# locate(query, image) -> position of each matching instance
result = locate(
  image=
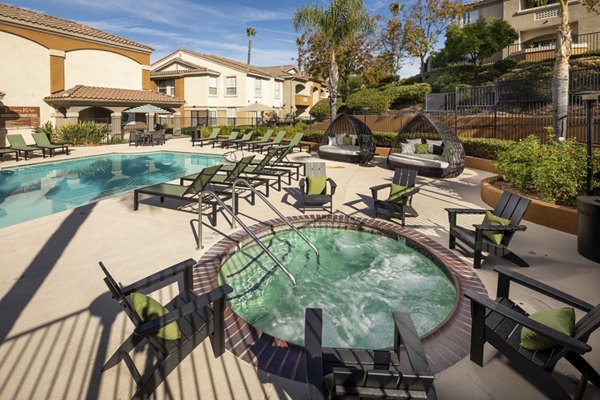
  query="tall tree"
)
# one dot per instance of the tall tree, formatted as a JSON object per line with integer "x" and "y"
{"x": 301, "y": 43}
{"x": 338, "y": 23}
{"x": 250, "y": 31}
{"x": 425, "y": 22}
{"x": 391, "y": 37}
{"x": 560, "y": 77}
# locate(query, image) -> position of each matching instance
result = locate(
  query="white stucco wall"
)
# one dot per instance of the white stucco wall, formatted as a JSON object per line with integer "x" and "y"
{"x": 196, "y": 91}
{"x": 101, "y": 68}
{"x": 25, "y": 75}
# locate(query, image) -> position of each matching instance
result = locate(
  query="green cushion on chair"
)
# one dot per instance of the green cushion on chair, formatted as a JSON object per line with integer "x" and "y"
{"x": 560, "y": 319}
{"x": 491, "y": 219}
{"x": 421, "y": 148}
{"x": 397, "y": 194}
{"x": 347, "y": 141}
{"x": 317, "y": 185}
{"x": 148, "y": 309}
{"x": 328, "y": 383}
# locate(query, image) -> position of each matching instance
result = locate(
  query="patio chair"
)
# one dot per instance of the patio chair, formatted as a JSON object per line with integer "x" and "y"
{"x": 493, "y": 236}
{"x": 172, "y": 332}
{"x": 181, "y": 192}
{"x": 157, "y": 137}
{"x": 292, "y": 144}
{"x": 8, "y": 151}
{"x": 18, "y": 143}
{"x": 278, "y": 138}
{"x": 135, "y": 138}
{"x": 222, "y": 142}
{"x": 500, "y": 323}
{"x": 214, "y": 135}
{"x": 399, "y": 201}
{"x": 41, "y": 141}
{"x": 262, "y": 168}
{"x": 281, "y": 162}
{"x": 245, "y": 138}
{"x": 314, "y": 188}
{"x": 373, "y": 374}
{"x": 263, "y": 139}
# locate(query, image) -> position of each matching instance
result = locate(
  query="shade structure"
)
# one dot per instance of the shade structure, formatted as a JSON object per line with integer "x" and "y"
{"x": 148, "y": 109}
{"x": 347, "y": 139}
{"x": 256, "y": 107}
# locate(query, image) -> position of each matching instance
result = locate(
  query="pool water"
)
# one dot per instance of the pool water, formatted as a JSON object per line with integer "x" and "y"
{"x": 360, "y": 279}
{"x": 43, "y": 189}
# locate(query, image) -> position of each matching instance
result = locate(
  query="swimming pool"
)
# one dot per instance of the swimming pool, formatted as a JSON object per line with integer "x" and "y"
{"x": 38, "y": 190}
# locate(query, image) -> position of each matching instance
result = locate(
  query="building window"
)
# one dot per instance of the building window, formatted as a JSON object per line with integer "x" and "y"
{"x": 230, "y": 85}
{"x": 231, "y": 114}
{"x": 257, "y": 88}
{"x": 212, "y": 86}
{"x": 527, "y": 4}
{"x": 167, "y": 87}
{"x": 196, "y": 119}
{"x": 470, "y": 17}
{"x": 277, "y": 90}
{"x": 212, "y": 117}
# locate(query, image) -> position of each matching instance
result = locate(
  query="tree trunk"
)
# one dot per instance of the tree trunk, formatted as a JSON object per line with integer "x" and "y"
{"x": 560, "y": 78}
{"x": 333, "y": 86}
{"x": 249, "y": 49}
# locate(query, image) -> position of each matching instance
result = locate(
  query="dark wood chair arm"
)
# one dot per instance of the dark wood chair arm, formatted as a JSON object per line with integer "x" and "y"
{"x": 500, "y": 228}
{"x": 376, "y": 189}
{"x": 313, "y": 339}
{"x": 160, "y": 276}
{"x": 557, "y": 337}
{"x": 302, "y": 184}
{"x": 405, "y": 333}
{"x": 333, "y": 185}
{"x": 505, "y": 276}
{"x": 465, "y": 211}
{"x": 198, "y": 303}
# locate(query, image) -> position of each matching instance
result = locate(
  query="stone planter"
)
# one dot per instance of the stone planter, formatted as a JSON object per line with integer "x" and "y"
{"x": 550, "y": 215}
{"x": 482, "y": 164}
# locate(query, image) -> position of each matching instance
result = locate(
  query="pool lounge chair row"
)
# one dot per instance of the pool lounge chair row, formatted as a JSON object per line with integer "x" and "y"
{"x": 264, "y": 143}
{"x": 19, "y": 147}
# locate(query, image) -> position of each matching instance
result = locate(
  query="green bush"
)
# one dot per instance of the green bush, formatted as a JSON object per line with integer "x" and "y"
{"x": 83, "y": 133}
{"x": 406, "y": 95}
{"x": 384, "y": 139}
{"x": 484, "y": 147}
{"x": 373, "y": 99}
{"x": 320, "y": 111}
{"x": 556, "y": 171}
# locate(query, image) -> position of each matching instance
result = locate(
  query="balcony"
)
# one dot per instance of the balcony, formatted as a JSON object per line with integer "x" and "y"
{"x": 302, "y": 100}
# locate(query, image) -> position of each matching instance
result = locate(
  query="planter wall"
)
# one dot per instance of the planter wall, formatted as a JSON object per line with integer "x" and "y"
{"x": 550, "y": 215}
{"x": 482, "y": 164}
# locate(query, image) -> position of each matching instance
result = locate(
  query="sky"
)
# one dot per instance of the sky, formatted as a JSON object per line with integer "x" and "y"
{"x": 213, "y": 27}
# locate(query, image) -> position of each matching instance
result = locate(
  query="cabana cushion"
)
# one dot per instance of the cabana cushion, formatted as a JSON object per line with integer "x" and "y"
{"x": 346, "y": 150}
{"x": 420, "y": 160}
{"x": 347, "y": 139}
{"x": 560, "y": 319}
{"x": 421, "y": 148}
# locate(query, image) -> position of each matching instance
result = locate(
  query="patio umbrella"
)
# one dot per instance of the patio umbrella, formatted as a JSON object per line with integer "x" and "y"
{"x": 148, "y": 109}
{"x": 256, "y": 107}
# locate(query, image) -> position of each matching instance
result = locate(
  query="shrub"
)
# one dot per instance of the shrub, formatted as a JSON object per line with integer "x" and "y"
{"x": 384, "y": 139}
{"x": 320, "y": 111}
{"x": 83, "y": 133}
{"x": 407, "y": 94}
{"x": 505, "y": 65}
{"x": 47, "y": 128}
{"x": 484, "y": 147}
{"x": 374, "y": 99}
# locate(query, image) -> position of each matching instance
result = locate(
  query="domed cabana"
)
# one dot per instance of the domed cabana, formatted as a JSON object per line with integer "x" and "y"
{"x": 347, "y": 139}
{"x": 429, "y": 146}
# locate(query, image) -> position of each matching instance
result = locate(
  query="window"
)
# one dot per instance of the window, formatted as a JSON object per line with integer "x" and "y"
{"x": 212, "y": 86}
{"x": 231, "y": 114}
{"x": 230, "y": 85}
{"x": 212, "y": 117}
{"x": 167, "y": 87}
{"x": 277, "y": 90}
{"x": 257, "y": 88}
{"x": 470, "y": 17}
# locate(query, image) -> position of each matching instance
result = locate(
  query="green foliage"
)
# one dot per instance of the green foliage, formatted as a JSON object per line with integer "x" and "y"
{"x": 117, "y": 140}
{"x": 83, "y": 133}
{"x": 407, "y": 94}
{"x": 320, "y": 111}
{"x": 505, "y": 65}
{"x": 556, "y": 171}
{"x": 374, "y": 99}
{"x": 487, "y": 148}
{"x": 384, "y": 139}
{"x": 47, "y": 128}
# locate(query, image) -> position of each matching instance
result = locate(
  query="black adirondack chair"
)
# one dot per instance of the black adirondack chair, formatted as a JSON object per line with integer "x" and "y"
{"x": 510, "y": 206}
{"x": 317, "y": 200}
{"x": 500, "y": 322}
{"x": 373, "y": 374}
{"x": 402, "y": 176}
{"x": 197, "y": 318}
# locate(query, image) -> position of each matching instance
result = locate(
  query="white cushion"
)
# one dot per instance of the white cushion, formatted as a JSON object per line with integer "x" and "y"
{"x": 414, "y": 141}
{"x": 339, "y": 138}
{"x": 347, "y": 150}
{"x": 354, "y": 140}
{"x": 431, "y": 143}
{"x": 420, "y": 160}
{"x": 331, "y": 141}
{"x": 407, "y": 148}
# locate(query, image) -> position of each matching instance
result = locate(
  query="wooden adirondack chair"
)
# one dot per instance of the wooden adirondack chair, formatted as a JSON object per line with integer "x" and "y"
{"x": 499, "y": 323}
{"x": 373, "y": 374}
{"x": 322, "y": 199}
{"x": 397, "y": 208}
{"x": 511, "y": 207}
{"x": 198, "y": 318}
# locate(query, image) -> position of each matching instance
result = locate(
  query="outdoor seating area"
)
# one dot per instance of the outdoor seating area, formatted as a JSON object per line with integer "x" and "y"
{"x": 347, "y": 139}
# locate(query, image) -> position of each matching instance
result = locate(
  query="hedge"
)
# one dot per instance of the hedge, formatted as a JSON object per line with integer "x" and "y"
{"x": 487, "y": 148}
{"x": 374, "y": 99}
{"x": 405, "y": 95}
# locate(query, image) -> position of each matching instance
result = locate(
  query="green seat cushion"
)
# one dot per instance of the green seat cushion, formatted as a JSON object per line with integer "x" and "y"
{"x": 317, "y": 185}
{"x": 328, "y": 384}
{"x": 491, "y": 219}
{"x": 165, "y": 189}
{"x": 148, "y": 309}
{"x": 420, "y": 148}
{"x": 560, "y": 319}
{"x": 347, "y": 141}
{"x": 397, "y": 194}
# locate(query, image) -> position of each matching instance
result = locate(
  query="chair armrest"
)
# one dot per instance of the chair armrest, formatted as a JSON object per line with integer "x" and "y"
{"x": 500, "y": 228}
{"x": 159, "y": 276}
{"x": 302, "y": 184}
{"x": 376, "y": 189}
{"x": 505, "y": 276}
{"x": 333, "y": 185}
{"x": 557, "y": 337}
{"x": 198, "y": 303}
{"x": 405, "y": 333}
{"x": 313, "y": 339}
{"x": 465, "y": 211}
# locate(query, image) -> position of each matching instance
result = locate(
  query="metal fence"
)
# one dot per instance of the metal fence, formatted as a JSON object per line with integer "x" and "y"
{"x": 581, "y": 44}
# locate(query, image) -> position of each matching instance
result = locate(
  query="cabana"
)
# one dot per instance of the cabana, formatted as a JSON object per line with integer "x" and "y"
{"x": 429, "y": 146}
{"x": 347, "y": 139}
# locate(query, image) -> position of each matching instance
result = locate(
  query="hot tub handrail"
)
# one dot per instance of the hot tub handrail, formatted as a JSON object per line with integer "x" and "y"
{"x": 209, "y": 192}
{"x": 272, "y": 207}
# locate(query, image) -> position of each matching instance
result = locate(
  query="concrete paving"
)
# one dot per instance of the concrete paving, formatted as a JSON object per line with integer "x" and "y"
{"x": 58, "y": 325}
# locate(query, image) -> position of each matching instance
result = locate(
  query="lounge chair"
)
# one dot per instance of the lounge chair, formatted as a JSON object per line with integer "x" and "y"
{"x": 281, "y": 162}
{"x": 41, "y": 141}
{"x": 222, "y": 142}
{"x": 495, "y": 238}
{"x": 187, "y": 193}
{"x": 8, "y": 151}
{"x": 262, "y": 168}
{"x": 314, "y": 188}
{"x": 292, "y": 144}
{"x": 265, "y": 138}
{"x": 372, "y": 374}
{"x": 214, "y": 135}
{"x": 399, "y": 201}
{"x": 278, "y": 138}
{"x": 501, "y": 322}
{"x": 187, "y": 321}
{"x": 245, "y": 138}
{"x": 17, "y": 143}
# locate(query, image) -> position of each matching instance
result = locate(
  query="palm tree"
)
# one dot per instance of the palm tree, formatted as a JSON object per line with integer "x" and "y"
{"x": 337, "y": 23}
{"x": 250, "y": 32}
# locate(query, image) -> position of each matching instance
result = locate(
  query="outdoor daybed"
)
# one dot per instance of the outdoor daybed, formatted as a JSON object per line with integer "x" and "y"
{"x": 429, "y": 146}
{"x": 347, "y": 139}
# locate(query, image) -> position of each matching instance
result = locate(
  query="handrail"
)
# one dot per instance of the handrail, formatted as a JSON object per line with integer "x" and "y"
{"x": 244, "y": 227}
{"x": 272, "y": 207}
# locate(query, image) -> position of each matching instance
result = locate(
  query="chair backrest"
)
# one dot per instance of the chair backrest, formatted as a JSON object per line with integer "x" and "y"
{"x": 282, "y": 155}
{"x": 117, "y": 294}
{"x": 41, "y": 139}
{"x": 348, "y": 383}
{"x": 204, "y": 177}
{"x": 239, "y": 168}
{"x": 247, "y": 135}
{"x": 315, "y": 169}
{"x": 214, "y": 133}
{"x": 279, "y": 137}
{"x": 512, "y": 207}
{"x": 296, "y": 139}
{"x": 267, "y": 135}
{"x": 16, "y": 140}
{"x": 263, "y": 163}
{"x": 233, "y": 135}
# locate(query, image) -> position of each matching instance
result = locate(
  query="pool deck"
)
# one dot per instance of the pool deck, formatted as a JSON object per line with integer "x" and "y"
{"x": 58, "y": 324}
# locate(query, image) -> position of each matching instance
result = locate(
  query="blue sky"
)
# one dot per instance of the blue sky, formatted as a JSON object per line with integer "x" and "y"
{"x": 214, "y": 27}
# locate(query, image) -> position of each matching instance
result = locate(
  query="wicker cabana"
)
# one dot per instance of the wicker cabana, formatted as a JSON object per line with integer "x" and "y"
{"x": 429, "y": 146}
{"x": 347, "y": 139}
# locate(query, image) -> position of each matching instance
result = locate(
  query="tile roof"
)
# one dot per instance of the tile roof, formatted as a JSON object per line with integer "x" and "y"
{"x": 94, "y": 93}
{"x": 229, "y": 63}
{"x": 39, "y": 20}
{"x": 193, "y": 70}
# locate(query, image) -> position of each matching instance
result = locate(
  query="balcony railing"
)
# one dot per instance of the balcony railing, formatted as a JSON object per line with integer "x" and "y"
{"x": 586, "y": 43}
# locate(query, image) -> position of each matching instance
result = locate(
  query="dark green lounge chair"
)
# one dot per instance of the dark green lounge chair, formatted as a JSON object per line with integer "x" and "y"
{"x": 281, "y": 162}
{"x": 214, "y": 135}
{"x": 17, "y": 143}
{"x": 8, "y": 151}
{"x": 276, "y": 141}
{"x": 293, "y": 143}
{"x": 262, "y": 168}
{"x": 41, "y": 141}
{"x": 245, "y": 138}
{"x": 264, "y": 139}
{"x": 232, "y": 136}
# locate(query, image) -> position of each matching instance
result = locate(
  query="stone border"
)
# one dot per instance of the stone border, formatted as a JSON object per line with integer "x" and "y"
{"x": 550, "y": 215}
{"x": 444, "y": 346}
{"x": 482, "y": 164}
